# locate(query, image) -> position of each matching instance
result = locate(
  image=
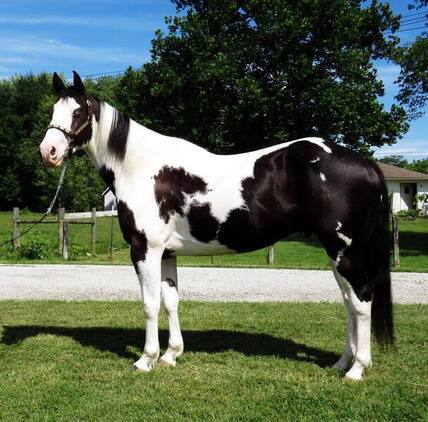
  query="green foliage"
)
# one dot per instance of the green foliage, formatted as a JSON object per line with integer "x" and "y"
{"x": 395, "y": 160}
{"x": 419, "y": 165}
{"x": 26, "y": 182}
{"x": 235, "y": 76}
{"x": 413, "y": 59}
{"x": 413, "y": 80}
{"x": 35, "y": 247}
{"x": 423, "y": 197}
{"x": 411, "y": 213}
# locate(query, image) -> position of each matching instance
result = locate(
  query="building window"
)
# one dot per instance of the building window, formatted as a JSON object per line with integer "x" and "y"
{"x": 406, "y": 189}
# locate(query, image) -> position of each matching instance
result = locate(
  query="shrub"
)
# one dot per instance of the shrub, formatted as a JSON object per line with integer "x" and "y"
{"x": 35, "y": 248}
{"x": 76, "y": 250}
{"x": 408, "y": 213}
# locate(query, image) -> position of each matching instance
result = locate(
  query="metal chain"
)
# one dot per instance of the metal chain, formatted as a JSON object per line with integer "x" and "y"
{"x": 48, "y": 211}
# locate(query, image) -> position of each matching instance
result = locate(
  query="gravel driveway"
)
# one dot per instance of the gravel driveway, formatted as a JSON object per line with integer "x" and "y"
{"x": 103, "y": 282}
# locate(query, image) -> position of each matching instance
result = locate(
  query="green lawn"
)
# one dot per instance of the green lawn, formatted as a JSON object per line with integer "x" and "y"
{"x": 71, "y": 361}
{"x": 296, "y": 252}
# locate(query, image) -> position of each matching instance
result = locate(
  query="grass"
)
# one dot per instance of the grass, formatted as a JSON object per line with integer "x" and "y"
{"x": 271, "y": 361}
{"x": 296, "y": 252}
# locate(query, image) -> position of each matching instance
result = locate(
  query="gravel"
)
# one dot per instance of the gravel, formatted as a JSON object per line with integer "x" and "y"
{"x": 103, "y": 282}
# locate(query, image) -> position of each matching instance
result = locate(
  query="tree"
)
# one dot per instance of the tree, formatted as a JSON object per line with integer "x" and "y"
{"x": 413, "y": 80}
{"x": 25, "y": 181}
{"x": 395, "y": 160}
{"x": 419, "y": 165}
{"x": 238, "y": 75}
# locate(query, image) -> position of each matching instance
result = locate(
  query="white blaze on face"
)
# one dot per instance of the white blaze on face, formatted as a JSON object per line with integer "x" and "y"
{"x": 55, "y": 143}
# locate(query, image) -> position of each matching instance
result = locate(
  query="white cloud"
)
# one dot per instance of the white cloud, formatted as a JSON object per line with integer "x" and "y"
{"x": 131, "y": 23}
{"x": 388, "y": 74}
{"x": 411, "y": 148}
{"x": 43, "y": 48}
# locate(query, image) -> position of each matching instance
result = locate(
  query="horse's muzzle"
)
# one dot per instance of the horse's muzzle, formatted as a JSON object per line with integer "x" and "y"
{"x": 53, "y": 153}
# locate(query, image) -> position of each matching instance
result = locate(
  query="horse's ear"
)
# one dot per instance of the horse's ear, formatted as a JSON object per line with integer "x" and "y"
{"x": 77, "y": 82}
{"x": 57, "y": 83}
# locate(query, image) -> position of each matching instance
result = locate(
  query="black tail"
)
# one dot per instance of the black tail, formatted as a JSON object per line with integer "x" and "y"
{"x": 379, "y": 257}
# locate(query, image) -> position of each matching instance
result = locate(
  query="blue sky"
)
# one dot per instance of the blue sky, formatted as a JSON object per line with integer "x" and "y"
{"x": 97, "y": 36}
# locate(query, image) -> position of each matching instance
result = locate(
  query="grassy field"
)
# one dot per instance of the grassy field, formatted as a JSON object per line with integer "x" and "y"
{"x": 71, "y": 361}
{"x": 296, "y": 252}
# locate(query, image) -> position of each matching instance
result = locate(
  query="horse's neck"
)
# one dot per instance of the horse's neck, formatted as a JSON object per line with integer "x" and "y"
{"x": 98, "y": 149}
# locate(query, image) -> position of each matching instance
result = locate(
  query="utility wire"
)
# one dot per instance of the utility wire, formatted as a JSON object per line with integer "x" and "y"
{"x": 406, "y": 20}
{"x": 414, "y": 14}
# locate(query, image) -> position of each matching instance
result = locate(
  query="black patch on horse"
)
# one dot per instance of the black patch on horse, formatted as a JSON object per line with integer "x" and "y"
{"x": 134, "y": 237}
{"x": 108, "y": 176}
{"x": 203, "y": 225}
{"x": 171, "y": 184}
{"x": 118, "y": 135}
{"x": 268, "y": 207}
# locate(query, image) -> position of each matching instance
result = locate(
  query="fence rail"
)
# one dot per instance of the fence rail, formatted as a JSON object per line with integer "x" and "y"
{"x": 63, "y": 220}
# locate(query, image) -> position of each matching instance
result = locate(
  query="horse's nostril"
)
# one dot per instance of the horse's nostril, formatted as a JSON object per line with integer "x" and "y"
{"x": 53, "y": 151}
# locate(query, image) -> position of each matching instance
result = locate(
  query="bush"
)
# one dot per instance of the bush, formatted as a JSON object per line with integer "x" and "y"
{"x": 35, "y": 248}
{"x": 76, "y": 250}
{"x": 408, "y": 213}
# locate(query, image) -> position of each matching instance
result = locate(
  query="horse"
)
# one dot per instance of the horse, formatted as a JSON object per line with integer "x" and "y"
{"x": 176, "y": 198}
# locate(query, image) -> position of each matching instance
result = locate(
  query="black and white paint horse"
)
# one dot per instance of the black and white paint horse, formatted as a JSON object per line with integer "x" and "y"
{"x": 175, "y": 198}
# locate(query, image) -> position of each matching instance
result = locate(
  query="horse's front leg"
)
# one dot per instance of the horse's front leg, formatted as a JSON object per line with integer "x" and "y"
{"x": 149, "y": 274}
{"x": 170, "y": 299}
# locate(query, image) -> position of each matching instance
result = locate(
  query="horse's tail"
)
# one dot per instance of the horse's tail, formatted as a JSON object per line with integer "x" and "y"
{"x": 379, "y": 257}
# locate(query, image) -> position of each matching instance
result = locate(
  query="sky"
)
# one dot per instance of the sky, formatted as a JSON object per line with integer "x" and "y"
{"x": 106, "y": 36}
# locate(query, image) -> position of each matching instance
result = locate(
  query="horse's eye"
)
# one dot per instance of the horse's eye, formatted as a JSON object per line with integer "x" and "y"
{"x": 77, "y": 112}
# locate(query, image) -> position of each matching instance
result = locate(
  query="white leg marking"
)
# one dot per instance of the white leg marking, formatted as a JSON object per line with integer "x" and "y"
{"x": 170, "y": 299}
{"x": 149, "y": 275}
{"x": 347, "y": 358}
{"x": 339, "y": 226}
{"x": 323, "y": 178}
{"x": 346, "y": 239}
{"x": 315, "y": 160}
{"x": 361, "y": 313}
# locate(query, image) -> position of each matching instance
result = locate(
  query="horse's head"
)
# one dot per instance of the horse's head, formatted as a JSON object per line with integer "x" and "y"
{"x": 70, "y": 128}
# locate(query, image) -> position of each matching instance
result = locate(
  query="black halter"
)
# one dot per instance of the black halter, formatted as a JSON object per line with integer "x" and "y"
{"x": 72, "y": 135}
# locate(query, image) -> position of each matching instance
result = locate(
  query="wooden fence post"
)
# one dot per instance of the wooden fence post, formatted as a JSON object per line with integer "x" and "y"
{"x": 61, "y": 217}
{"x": 395, "y": 236}
{"x": 65, "y": 244}
{"x": 16, "y": 240}
{"x": 94, "y": 231}
{"x": 271, "y": 255}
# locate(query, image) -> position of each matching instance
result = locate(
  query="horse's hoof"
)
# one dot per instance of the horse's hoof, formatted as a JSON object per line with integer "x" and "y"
{"x": 167, "y": 362}
{"x": 138, "y": 368}
{"x": 354, "y": 375}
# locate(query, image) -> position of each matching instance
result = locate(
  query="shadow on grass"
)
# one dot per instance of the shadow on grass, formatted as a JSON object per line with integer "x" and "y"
{"x": 413, "y": 243}
{"x": 119, "y": 340}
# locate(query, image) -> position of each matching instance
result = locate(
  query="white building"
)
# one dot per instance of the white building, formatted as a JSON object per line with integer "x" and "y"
{"x": 109, "y": 200}
{"x": 404, "y": 185}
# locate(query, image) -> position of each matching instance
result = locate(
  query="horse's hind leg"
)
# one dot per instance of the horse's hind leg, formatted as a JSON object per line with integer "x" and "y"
{"x": 347, "y": 358}
{"x": 170, "y": 299}
{"x": 351, "y": 278}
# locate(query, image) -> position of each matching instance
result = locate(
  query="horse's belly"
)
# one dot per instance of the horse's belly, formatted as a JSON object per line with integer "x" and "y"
{"x": 179, "y": 245}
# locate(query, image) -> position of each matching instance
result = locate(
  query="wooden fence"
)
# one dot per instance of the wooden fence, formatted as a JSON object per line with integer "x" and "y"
{"x": 63, "y": 220}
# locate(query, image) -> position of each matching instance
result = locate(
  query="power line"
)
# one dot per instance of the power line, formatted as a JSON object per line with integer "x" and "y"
{"x": 405, "y": 30}
{"x": 414, "y": 14}
{"x": 406, "y": 20}
{"x": 113, "y": 72}
{"x": 414, "y": 22}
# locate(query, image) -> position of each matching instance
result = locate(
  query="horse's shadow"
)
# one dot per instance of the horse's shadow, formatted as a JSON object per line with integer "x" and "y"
{"x": 121, "y": 341}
